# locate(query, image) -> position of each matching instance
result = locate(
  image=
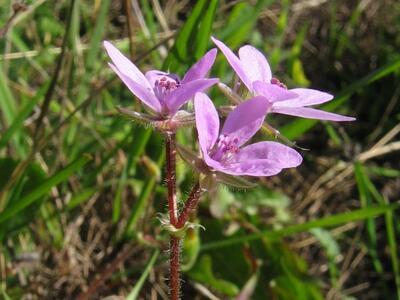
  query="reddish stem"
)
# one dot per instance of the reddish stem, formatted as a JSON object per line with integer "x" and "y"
{"x": 170, "y": 148}
{"x": 190, "y": 205}
{"x": 174, "y": 280}
{"x": 177, "y": 222}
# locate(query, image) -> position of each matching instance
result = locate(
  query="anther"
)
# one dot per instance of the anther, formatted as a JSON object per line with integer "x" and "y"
{"x": 278, "y": 83}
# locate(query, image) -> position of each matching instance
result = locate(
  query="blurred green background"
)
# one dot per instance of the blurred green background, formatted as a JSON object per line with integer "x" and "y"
{"x": 81, "y": 188}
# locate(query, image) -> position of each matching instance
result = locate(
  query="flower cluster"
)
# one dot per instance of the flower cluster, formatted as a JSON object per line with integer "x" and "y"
{"x": 223, "y": 151}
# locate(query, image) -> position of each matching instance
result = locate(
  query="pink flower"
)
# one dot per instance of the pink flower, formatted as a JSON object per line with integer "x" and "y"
{"x": 162, "y": 92}
{"x": 223, "y": 150}
{"x": 254, "y": 71}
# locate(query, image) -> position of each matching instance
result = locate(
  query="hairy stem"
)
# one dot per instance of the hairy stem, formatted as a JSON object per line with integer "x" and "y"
{"x": 170, "y": 148}
{"x": 174, "y": 281}
{"x": 175, "y": 249}
{"x": 190, "y": 205}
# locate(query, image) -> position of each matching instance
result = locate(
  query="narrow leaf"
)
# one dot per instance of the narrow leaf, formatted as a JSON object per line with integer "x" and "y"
{"x": 43, "y": 188}
{"x": 327, "y": 222}
{"x": 134, "y": 294}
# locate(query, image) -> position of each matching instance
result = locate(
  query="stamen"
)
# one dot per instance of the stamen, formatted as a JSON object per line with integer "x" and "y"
{"x": 278, "y": 83}
{"x": 164, "y": 86}
{"x": 225, "y": 148}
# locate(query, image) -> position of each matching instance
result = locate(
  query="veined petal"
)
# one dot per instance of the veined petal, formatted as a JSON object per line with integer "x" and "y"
{"x": 311, "y": 113}
{"x": 283, "y": 156}
{"x": 255, "y": 167}
{"x": 273, "y": 92}
{"x": 245, "y": 120}
{"x": 235, "y": 62}
{"x": 200, "y": 69}
{"x": 255, "y": 64}
{"x": 175, "y": 99}
{"x": 125, "y": 66}
{"x": 139, "y": 91}
{"x": 207, "y": 122}
{"x": 263, "y": 159}
{"x": 306, "y": 97}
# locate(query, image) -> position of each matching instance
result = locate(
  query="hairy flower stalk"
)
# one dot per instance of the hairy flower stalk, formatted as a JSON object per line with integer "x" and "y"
{"x": 190, "y": 205}
{"x": 174, "y": 278}
{"x": 177, "y": 222}
{"x": 170, "y": 148}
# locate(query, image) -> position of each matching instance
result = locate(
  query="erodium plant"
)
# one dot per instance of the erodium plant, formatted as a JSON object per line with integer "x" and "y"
{"x": 223, "y": 155}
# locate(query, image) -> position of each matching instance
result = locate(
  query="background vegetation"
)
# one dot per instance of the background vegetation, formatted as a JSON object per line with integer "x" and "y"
{"x": 81, "y": 188}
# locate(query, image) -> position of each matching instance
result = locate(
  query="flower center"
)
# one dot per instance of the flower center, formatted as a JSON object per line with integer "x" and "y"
{"x": 225, "y": 148}
{"x": 164, "y": 86}
{"x": 278, "y": 83}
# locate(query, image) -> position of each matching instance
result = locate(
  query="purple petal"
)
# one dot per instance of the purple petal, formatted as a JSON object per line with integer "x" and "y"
{"x": 245, "y": 120}
{"x": 256, "y": 167}
{"x": 200, "y": 69}
{"x": 185, "y": 92}
{"x": 125, "y": 66}
{"x": 234, "y": 62}
{"x": 139, "y": 91}
{"x": 221, "y": 167}
{"x": 255, "y": 64}
{"x": 207, "y": 122}
{"x": 311, "y": 113}
{"x": 273, "y": 92}
{"x": 263, "y": 159}
{"x": 283, "y": 156}
{"x": 306, "y": 97}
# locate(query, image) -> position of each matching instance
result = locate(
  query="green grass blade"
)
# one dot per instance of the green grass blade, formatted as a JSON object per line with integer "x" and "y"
{"x": 392, "y": 241}
{"x": 365, "y": 199}
{"x": 7, "y": 101}
{"x": 97, "y": 34}
{"x": 43, "y": 188}
{"x": 4, "y": 294}
{"x": 204, "y": 31}
{"x": 94, "y": 48}
{"x": 330, "y": 221}
{"x": 140, "y": 203}
{"x": 8, "y": 109}
{"x": 383, "y": 171}
{"x": 276, "y": 54}
{"x": 369, "y": 187}
{"x": 184, "y": 48}
{"x": 183, "y": 39}
{"x": 137, "y": 147}
{"x": 53, "y": 224}
{"x": 81, "y": 197}
{"x": 242, "y": 23}
{"x": 18, "y": 121}
{"x": 134, "y": 293}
